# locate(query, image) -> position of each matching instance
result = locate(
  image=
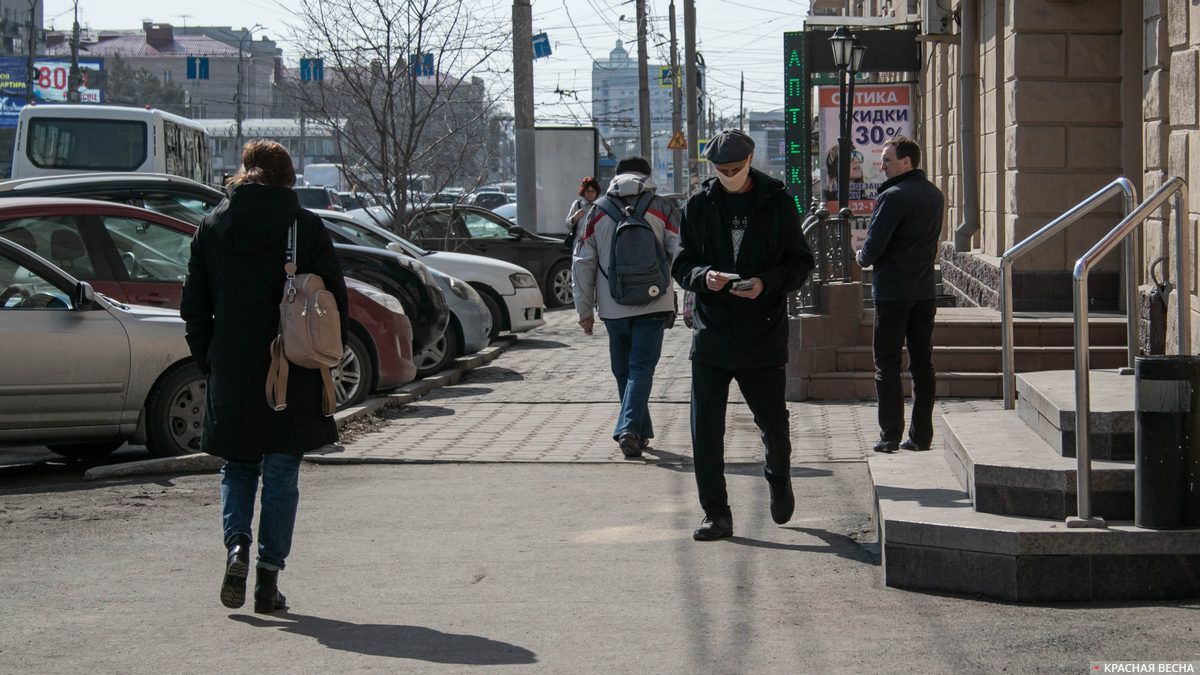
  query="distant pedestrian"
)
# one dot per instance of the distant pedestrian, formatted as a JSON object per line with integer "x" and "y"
{"x": 230, "y": 304}
{"x": 589, "y": 192}
{"x": 901, "y": 245}
{"x": 742, "y": 253}
{"x": 635, "y": 332}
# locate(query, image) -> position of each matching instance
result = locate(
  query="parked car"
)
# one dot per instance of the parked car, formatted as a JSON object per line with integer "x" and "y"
{"x": 321, "y": 197}
{"x": 470, "y": 229}
{"x": 507, "y": 211}
{"x": 468, "y": 332}
{"x": 486, "y": 199}
{"x": 138, "y": 256}
{"x": 406, "y": 279}
{"x": 510, "y": 291}
{"x": 82, "y": 374}
{"x": 357, "y": 200}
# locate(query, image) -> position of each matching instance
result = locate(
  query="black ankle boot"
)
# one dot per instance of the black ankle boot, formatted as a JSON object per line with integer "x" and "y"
{"x": 237, "y": 566}
{"x": 267, "y": 597}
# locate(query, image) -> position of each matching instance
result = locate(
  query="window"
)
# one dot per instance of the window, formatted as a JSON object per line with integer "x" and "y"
{"x": 431, "y": 225}
{"x": 86, "y": 144}
{"x": 188, "y": 209}
{"x": 149, "y": 251}
{"x": 354, "y": 233}
{"x": 23, "y": 288}
{"x": 480, "y": 227}
{"x": 55, "y": 238}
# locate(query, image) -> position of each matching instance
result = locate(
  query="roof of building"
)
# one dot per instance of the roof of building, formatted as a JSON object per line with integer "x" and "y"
{"x": 266, "y": 127}
{"x": 136, "y": 45}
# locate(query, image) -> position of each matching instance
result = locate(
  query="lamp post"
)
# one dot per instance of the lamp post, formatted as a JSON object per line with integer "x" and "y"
{"x": 238, "y": 115}
{"x": 848, "y": 53}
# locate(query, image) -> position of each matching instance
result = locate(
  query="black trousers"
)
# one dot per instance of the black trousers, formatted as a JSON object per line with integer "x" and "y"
{"x": 897, "y": 323}
{"x": 764, "y": 392}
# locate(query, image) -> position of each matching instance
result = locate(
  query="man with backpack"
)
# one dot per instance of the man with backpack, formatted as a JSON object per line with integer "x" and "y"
{"x": 742, "y": 253}
{"x": 622, "y": 271}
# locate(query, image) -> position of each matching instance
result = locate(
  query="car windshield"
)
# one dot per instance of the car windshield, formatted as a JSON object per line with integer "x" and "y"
{"x": 481, "y": 227}
{"x": 313, "y": 198}
{"x": 355, "y": 233}
{"x": 188, "y": 209}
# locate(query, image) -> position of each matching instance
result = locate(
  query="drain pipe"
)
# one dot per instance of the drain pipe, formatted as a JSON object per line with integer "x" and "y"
{"x": 968, "y": 84}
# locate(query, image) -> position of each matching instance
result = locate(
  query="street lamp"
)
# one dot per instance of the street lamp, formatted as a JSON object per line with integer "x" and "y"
{"x": 238, "y": 115}
{"x": 848, "y": 53}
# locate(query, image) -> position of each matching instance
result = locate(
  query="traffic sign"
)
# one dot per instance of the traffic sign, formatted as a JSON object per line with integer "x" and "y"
{"x": 677, "y": 142}
{"x": 197, "y": 68}
{"x": 541, "y": 45}
{"x": 312, "y": 70}
{"x": 665, "y": 81}
{"x": 701, "y": 144}
{"x": 421, "y": 65}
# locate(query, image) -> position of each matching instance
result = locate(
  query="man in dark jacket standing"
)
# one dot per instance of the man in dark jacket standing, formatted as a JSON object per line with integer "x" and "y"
{"x": 742, "y": 253}
{"x": 902, "y": 246}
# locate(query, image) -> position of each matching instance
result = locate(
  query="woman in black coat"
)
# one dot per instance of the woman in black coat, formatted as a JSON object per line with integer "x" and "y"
{"x": 231, "y": 308}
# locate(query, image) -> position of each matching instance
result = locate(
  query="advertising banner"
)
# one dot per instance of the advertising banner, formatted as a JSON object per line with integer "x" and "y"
{"x": 50, "y": 79}
{"x": 880, "y": 112}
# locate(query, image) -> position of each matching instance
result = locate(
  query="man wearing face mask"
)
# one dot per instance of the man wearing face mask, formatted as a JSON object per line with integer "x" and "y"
{"x": 742, "y": 252}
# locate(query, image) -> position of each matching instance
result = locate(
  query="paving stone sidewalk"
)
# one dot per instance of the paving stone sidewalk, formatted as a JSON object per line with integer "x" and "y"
{"x": 552, "y": 398}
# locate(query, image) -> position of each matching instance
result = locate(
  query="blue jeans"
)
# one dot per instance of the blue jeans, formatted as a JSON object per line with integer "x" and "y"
{"x": 280, "y": 472}
{"x": 634, "y": 345}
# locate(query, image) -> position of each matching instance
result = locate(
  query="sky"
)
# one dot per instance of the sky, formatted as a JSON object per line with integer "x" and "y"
{"x": 734, "y": 37}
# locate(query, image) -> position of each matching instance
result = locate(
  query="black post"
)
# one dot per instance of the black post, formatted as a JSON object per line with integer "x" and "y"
{"x": 850, "y": 74}
{"x": 843, "y": 142}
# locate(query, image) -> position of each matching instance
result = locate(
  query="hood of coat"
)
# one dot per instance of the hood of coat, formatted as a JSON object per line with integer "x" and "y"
{"x": 629, "y": 184}
{"x": 255, "y": 217}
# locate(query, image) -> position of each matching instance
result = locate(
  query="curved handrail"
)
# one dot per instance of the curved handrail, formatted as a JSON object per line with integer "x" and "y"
{"x": 1175, "y": 188}
{"x": 1122, "y": 186}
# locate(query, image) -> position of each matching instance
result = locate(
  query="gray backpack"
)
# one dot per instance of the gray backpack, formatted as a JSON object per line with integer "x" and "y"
{"x": 639, "y": 270}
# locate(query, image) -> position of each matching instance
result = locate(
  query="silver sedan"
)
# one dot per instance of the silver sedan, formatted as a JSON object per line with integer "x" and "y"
{"x": 82, "y": 374}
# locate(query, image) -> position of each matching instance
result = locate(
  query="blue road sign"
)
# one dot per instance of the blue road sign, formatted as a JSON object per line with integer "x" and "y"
{"x": 197, "y": 68}
{"x": 312, "y": 70}
{"x": 421, "y": 65}
{"x": 541, "y": 45}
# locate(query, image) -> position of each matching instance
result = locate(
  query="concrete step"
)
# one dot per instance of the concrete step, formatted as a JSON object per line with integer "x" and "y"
{"x": 849, "y": 385}
{"x": 933, "y": 540}
{"x": 973, "y": 326}
{"x": 982, "y": 358}
{"x": 1046, "y": 402}
{"x": 1009, "y": 469}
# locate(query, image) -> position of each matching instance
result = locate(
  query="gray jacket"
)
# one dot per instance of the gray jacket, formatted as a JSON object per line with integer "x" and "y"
{"x": 592, "y": 251}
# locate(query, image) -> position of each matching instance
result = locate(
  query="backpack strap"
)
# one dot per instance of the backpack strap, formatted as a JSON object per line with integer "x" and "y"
{"x": 609, "y": 207}
{"x": 642, "y": 205}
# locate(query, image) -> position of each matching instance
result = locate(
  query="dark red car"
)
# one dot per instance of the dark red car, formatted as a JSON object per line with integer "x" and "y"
{"x": 140, "y": 257}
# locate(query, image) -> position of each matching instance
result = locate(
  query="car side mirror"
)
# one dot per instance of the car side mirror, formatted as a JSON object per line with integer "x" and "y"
{"x": 85, "y": 296}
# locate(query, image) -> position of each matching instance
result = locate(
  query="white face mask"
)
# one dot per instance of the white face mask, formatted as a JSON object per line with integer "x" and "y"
{"x": 738, "y": 180}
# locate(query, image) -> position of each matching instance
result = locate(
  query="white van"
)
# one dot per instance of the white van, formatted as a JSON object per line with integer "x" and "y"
{"x": 62, "y": 139}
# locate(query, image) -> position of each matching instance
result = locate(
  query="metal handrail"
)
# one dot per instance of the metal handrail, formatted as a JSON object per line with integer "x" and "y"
{"x": 1122, "y": 186}
{"x": 1177, "y": 188}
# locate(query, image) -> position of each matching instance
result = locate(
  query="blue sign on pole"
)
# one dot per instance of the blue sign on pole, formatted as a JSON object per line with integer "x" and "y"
{"x": 421, "y": 65}
{"x": 541, "y": 45}
{"x": 197, "y": 68}
{"x": 312, "y": 70}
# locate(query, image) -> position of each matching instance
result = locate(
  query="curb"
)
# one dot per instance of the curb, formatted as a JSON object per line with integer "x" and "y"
{"x": 201, "y": 462}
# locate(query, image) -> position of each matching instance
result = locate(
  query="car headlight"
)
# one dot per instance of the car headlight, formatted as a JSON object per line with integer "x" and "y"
{"x": 523, "y": 280}
{"x": 388, "y": 301}
{"x": 462, "y": 289}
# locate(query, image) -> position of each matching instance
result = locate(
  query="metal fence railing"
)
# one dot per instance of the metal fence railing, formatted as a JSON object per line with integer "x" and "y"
{"x": 830, "y": 240}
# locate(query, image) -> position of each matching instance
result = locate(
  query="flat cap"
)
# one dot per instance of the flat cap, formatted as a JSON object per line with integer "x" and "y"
{"x": 731, "y": 145}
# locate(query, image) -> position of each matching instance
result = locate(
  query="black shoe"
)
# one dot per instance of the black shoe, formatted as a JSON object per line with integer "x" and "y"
{"x": 910, "y": 444}
{"x": 237, "y": 566}
{"x": 645, "y": 443}
{"x": 783, "y": 500}
{"x": 631, "y": 445}
{"x": 886, "y": 446}
{"x": 713, "y": 528}
{"x": 267, "y": 597}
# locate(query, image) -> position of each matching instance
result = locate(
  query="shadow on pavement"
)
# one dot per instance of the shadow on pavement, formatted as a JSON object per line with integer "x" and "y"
{"x": 415, "y": 410}
{"x": 457, "y": 392}
{"x": 492, "y": 374}
{"x": 397, "y": 641}
{"x": 925, "y": 497}
{"x": 528, "y": 343}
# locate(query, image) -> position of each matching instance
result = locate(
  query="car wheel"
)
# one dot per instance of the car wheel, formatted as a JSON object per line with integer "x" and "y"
{"x": 354, "y": 377}
{"x": 97, "y": 450}
{"x": 493, "y": 307}
{"x": 558, "y": 285}
{"x": 175, "y": 412}
{"x": 443, "y": 352}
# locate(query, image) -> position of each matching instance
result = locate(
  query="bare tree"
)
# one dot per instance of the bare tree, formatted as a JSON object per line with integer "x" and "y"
{"x": 404, "y": 94}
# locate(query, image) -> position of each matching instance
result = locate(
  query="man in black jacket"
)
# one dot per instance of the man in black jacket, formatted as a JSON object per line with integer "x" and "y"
{"x": 742, "y": 253}
{"x": 902, "y": 246}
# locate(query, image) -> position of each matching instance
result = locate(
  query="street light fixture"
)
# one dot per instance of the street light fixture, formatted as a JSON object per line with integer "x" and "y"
{"x": 238, "y": 115}
{"x": 848, "y": 53}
